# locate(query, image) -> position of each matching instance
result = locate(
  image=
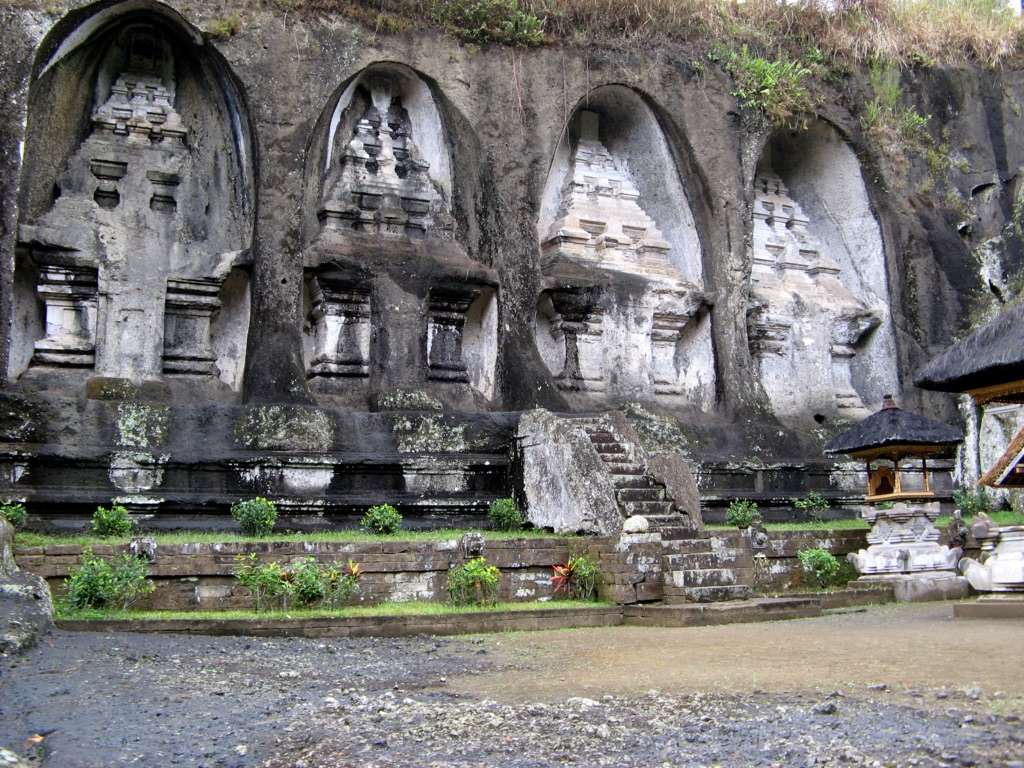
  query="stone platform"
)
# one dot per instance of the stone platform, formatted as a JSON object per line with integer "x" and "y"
{"x": 919, "y": 587}
{"x": 992, "y": 607}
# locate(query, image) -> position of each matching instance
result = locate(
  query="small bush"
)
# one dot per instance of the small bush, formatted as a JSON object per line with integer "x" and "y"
{"x": 14, "y": 513}
{"x": 265, "y": 582}
{"x": 98, "y": 583}
{"x": 505, "y": 515}
{"x": 741, "y": 513}
{"x": 473, "y": 583}
{"x": 256, "y": 516}
{"x": 814, "y": 505}
{"x": 313, "y": 583}
{"x": 820, "y": 565}
{"x": 576, "y": 578}
{"x": 483, "y": 21}
{"x": 111, "y": 522}
{"x": 971, "y": 503}
{"x": 382, "y": 519}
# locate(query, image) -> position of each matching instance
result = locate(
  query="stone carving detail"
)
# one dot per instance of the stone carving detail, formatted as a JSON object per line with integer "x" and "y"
{"x": 578, "y": 322}
{"x": 641, "y": 336}
{"x": 69, "y": 294}
{"x": 136, "y": 222}
{"x": 188, "y": 310}
{"x": 383, "y": 185}
{"x": 799, "y": 309}
{"x": 602, "y": 222}
{"x": 1001, "y": 565}
{"x": 446, "y": 323}
{"x": 904, "y": 540}
{"x": 340, "y": 318}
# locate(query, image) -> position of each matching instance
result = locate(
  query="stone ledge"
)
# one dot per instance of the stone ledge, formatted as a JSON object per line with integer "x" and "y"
{"x": 365, "y": 626}
{"x": 991, "y": 607}
{"x": 733, "y": 612}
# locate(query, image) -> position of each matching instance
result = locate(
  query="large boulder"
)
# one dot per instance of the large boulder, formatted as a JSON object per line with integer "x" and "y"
{"x": 26, "y": 606}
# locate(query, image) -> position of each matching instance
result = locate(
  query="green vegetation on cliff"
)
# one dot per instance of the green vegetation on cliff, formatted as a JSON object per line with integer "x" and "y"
{"x": 912, "y": 32}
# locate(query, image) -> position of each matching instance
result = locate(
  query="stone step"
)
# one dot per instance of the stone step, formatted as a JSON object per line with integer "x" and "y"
{"x": 649, "y": 493}
{"x": 624, "y": 468}
{"x": 633, "y": 480}
{"x": 702, "y": 577}
{"x": 707, "y": 594}
{"x": 691, "y": 561}
{"x": 609, "y": 449}
{"x": 685, "y": 545}
{"x": 601, "y": 436}
{"x": 646, "y": 508}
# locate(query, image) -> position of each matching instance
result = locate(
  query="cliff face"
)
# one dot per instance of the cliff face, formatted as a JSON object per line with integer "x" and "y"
{"x": 311, "y": 215}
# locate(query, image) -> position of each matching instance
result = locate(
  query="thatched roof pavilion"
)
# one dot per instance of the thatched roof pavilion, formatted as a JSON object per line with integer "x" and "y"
{"x": 988, "y": 364}
{"x": 894, "y": 434}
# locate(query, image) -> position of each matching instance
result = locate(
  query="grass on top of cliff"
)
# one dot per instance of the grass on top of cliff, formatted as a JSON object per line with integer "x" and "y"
{"x": 32, "y": 539}
{"x": 915, "y": 32}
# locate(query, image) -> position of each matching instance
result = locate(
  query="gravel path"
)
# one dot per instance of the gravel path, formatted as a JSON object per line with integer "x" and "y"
{"x": 526, "y": 699}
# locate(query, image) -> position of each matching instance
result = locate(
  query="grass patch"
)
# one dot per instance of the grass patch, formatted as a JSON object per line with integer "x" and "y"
{"x": 855, "y": 524}
{"x": 415, "y": 608}
{"x": 30, "y": 539}
{"x": 1003, "y": 517}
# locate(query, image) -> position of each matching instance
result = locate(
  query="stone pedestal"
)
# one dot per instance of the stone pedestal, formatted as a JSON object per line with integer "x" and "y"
{"x": 904, "y": 553}
{"x": 1000, "y": 605}
{"x": 1001, "y": 566}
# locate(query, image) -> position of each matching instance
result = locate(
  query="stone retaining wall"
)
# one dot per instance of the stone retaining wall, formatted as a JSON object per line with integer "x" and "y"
{"x": 200, "y": 576}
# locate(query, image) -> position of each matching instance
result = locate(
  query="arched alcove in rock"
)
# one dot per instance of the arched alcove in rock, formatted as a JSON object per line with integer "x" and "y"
{"x": 137, "y": 205}
{"x": 622, "y": 319}
{"x": 819, "y": 310}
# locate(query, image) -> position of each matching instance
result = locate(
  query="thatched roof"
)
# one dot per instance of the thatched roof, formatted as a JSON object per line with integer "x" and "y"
{"x": 893, "y": 426}
{"x": 1004, "y": 474}
{"x": 992, "y": 355}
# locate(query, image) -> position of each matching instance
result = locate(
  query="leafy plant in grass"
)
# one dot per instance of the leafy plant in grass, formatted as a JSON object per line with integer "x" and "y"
{"x": 504, "y": 514}
{"x": 814, "y": 505}
{"x": 576, "y": 578}
{"x": 313, "y": 583}
{"x": 265, "y": 581}
{"x": 111, "y": 522}
{"x": 776, "y": 87}
{"x": 820, "y": 565}
{"x": 741, "y": 513}
{"x": 473, "y": 583}
{"x": 255, "y": 516}
{"x": 14, "y": 513}
{"x": 483, "y": 21}
{"x": 382, "y": 519}
{"x": 98, "y": 583}
{"x": 970, "y": 503}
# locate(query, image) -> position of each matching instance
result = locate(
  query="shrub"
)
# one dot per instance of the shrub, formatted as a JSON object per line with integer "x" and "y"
{"x": 971, "y": 503}
{"x": 505, "y": 515}
{"x": 576, "y": 578}
{"x": 741, "y": 513}
{"x": 820, "y": 565}
{"x": 473, "y": 583}
{"x": 482, "y": 21}
{"x": 266, "y": 582}
{"x": 256, "y": 516}
{"x": 814, "y": 505}
{"x": 14, "y": 513}
{"x": 98, "y": 583}
{"x": 315, "y": 584}
{"x": 111, "y": 522}
{"x": 382, "y": 519}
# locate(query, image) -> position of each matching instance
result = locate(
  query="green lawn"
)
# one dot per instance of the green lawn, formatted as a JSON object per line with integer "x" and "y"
{"x": 414, "y": 608}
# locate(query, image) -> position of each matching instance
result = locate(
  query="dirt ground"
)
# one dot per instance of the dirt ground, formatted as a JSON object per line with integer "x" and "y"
{"x": 903, "y": 686}
{"x": 904, "y": 647}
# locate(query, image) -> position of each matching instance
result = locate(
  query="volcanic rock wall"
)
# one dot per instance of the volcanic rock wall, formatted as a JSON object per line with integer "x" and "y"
{"x": 312, "y": 216}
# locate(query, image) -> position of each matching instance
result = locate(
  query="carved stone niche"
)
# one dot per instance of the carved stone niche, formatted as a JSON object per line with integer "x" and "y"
{"x": 382, "y": 183}
{"x": 189, "y": 308}
{"x": 578, "y": 325}
{"x": 340, "y": 318}
{"x": 446, "y": 324}
{"x": 70, "y": 297}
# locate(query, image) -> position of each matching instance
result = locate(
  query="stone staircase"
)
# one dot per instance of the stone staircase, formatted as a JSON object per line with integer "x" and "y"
{"x": 693, "y": 571}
